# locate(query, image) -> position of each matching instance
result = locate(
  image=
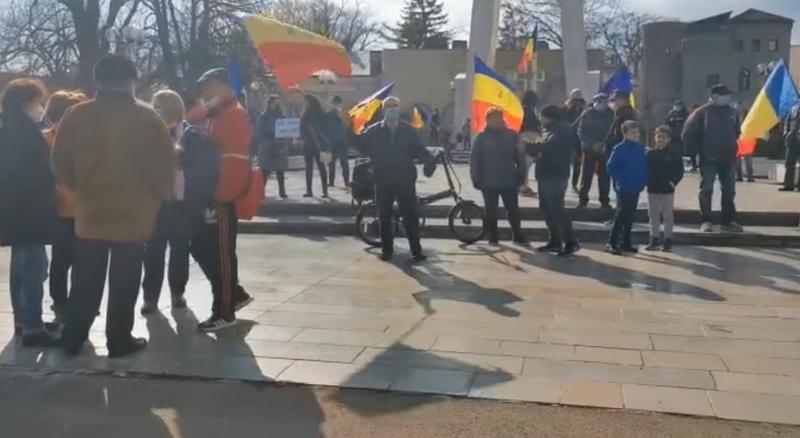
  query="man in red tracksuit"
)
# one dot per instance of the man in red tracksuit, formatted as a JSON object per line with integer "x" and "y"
{"x": 214, "y": 246}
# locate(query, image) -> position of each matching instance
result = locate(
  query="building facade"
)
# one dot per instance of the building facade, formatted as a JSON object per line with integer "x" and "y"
{"x": 683, "y": 60}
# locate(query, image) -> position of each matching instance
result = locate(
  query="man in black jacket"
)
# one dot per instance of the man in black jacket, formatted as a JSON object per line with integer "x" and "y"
{"x": 393, "y": 146}
{"x": 713, "y": 132}
{"x": 554, "y": 154}
{"x": 791, "y": 134}
{"x": 593, "y": 128}
{"x": 623, "y": 112}
{"x": 676, "y": 120}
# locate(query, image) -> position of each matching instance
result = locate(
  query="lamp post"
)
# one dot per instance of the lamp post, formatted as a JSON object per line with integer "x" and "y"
{"x": 124, "y": 38}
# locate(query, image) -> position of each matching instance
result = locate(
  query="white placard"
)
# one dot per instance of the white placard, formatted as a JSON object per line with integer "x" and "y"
{"x": 287, "y": 128}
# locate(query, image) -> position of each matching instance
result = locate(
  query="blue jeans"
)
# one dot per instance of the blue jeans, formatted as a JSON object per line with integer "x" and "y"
{"x": 28, "y": 274}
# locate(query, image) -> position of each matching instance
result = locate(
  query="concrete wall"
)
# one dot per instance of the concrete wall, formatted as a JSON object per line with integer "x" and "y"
{"x": 707, "y": 52}
{"x": 764, "y": 32}
{"x": 662, "y": 69}
{"x": 794, "y": 64}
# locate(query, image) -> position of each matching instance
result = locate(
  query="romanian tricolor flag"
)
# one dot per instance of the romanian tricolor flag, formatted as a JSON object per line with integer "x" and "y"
{"x": 362, "y": 113}
{"x": 529, "y": 55}
{"x": 772, "y": 105}
{"x": 416, "y": 119}
{"x": 492, "y": 90}
{"x": 294, "y": 54}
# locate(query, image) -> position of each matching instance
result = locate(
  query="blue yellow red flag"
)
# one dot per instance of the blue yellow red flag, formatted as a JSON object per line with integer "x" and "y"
{"x": 416, "y": 119}
{"x": 529, "y": 55}
{"x": 365, "y": 110}
{"x": 493, "y": 91}
{"x": 773, "y": 103}
{"x": 622, "y": 79}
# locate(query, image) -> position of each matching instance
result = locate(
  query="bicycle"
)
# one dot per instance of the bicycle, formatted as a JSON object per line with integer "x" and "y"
{"x": 465, "y": 219}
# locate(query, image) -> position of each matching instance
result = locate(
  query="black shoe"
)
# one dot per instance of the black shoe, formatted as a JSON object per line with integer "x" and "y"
{"x": 386, "y": 256}
{"x": 751, "y": 180}
{"x": 308, "y": 195}
{"x": 613, "y": 249}
{"x": 522, "y": 243}
{"x": 786, "y": 189}
{"x": 243, "y": 300}
{"x": 582, "y": 205}
{"x": 135, "y": 344}
{"x": 325, "y": 195}
{"x": 215, "y": 324}
{"x": 419, "y": 257}
{"x": 570, "y": 249}
{"x": 41, "y": 339}
{"x": 606, "y": 206}
{"x": 494, "y": 242}
{"x": 654, "y": 244}
{"x": 284, "y": 196}
{"x": 667, "y": 247}
{"x": 630, "y": 249}
{"x": 178, "y": 301}
{"x": 149, "y": 308}
{"x": 550, "y": 247}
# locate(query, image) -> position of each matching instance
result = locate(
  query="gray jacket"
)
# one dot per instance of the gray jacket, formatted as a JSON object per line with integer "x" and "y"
{"x": 496, "y": 162}
{"x": 593, "y": 128}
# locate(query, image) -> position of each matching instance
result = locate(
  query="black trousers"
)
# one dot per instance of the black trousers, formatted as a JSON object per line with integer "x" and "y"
{"x": 214, "y": 248}
{"x": 623, "y": 221}
{"x": 124, "y": 274}
{"x": 491, "y": 199}
{"x": 62, "y": 264}
{"x": 792, "y": 159}
{"x": 344, "y": 160}
{"x": 551, "y": 201}
{"x": 281, "y": 176}
{"x": 154, "y": 261}
{"x": 595, "y": 163}
{"x": 405, "y": 194}
{"x": 577, "y": 165}
{"x": 311, "y": 158}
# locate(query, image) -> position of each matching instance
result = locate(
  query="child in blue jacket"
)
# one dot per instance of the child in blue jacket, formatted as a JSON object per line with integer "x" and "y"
{"x": 627, "y": 168}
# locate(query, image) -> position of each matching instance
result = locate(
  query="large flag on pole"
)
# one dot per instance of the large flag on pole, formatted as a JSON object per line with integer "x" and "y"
{"x": 622, "y": 79}
{"x": 362, "y": 113}
{"x": 529, "y": 55}
{"x": 492, "y": 90}
{"x": 772, "y": 105}
{"x": 294, "y": 54}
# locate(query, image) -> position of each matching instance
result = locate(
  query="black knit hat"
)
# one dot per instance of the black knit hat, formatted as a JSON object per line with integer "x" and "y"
{"x": 115, "y": 68}
{"x": 720, "y": 90}
{"x": 551, "y": 112}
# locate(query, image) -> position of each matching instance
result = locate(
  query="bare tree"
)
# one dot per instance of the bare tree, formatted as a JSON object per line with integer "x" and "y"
{"x": 623, "y": 40}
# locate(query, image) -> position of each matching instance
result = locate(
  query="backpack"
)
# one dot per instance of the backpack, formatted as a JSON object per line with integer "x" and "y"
{"x": 200, "y": 163}
{"x": 363, "y": 182}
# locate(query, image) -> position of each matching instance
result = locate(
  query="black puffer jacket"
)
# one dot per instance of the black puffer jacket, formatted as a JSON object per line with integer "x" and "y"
{"x": 394, "y": 153}
{"x": 664, "y": 170}
{"x": 712, "y": 132}
{"x": 495, "y": 162}
{"x": 621, "y": 115}
{"x": 28, "y": 211}
{"x": 555, "y": 151}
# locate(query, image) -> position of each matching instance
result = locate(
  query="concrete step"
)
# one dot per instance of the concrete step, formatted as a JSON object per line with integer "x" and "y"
{"x": 276, "y": 209}
{"x": 592, "y": 232}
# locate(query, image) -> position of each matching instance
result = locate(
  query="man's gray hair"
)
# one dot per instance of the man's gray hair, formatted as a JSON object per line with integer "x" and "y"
{"x": 391, "y": 99}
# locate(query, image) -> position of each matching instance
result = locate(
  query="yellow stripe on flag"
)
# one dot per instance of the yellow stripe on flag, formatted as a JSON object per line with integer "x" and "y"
{"x": 491, "y": 92}
{"x": 760, "y": 119}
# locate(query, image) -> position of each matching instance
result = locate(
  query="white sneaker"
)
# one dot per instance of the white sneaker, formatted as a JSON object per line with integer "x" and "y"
{"x": 707, "y": 227}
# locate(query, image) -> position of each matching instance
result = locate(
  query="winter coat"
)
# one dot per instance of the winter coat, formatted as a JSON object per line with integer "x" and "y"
{"x": 664, "y": 170}
{"x": 312, "y": 130}
{"x": 118, "y": 158}
{"x": 627, "y": 167}
{"x": 496, "y": 163}
{"x": 615, "y": 136}
{"x": 272, "y": 153}
{"x": 393, "y": 153}
{"x": 712, "y": 132}
{"x": 28, "y": 211}
{"x": 593, "y": 128}
{"x": 530, "y": 121}
{"x": 791, "y": 129}
{"x": 555, "y": 151}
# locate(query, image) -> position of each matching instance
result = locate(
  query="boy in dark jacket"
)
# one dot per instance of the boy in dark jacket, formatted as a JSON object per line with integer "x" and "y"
{"x": 627, "y": 168}
{"x": 664, "y": 172}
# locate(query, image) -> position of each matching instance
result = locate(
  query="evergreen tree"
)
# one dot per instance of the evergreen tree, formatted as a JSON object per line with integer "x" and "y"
{"x": 423, "y": 25}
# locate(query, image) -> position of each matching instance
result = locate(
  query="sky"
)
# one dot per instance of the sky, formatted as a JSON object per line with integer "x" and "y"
{"x": 688, "y": 10}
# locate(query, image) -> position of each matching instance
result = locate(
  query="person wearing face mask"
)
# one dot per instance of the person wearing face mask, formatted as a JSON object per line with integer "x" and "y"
{"x": 28, "y": 213}
{"x": 712, "y": 132}
{"x": 497, "y": 168}
{"x": 116, "y": 155}
{"x": 676, "y": 120}
{"x": 593, "y": 127}
{"x": 393, "y": 147}
{"x": 554, "y": 156}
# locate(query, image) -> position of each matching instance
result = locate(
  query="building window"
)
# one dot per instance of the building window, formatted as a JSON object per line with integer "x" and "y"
{"x": 756, "y": 45}
{"x": 773, "y": 45}
{"x": 744, "y": 79}
{"x": 684, "y": 45}
{"x": 738, "y": 45}
{"x": 712, "y": 80}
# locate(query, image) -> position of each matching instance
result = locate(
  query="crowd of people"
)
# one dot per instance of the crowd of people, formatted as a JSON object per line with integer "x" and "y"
{"x": 111, "y": 182}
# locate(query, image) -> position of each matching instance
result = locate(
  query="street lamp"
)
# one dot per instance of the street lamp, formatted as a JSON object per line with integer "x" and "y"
{"x": 124, "y": 38}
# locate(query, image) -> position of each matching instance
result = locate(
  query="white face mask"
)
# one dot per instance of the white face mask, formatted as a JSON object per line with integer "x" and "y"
{"x": 36, "y": 113}
{"x": 720, "y": 100}
{"x": 392, "y": 116}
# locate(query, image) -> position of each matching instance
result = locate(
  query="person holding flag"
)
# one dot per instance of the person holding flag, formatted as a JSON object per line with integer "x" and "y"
{"x": 712, "y": 132}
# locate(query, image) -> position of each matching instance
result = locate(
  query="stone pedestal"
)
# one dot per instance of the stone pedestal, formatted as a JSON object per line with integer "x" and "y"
{"x": 573, "y": 34}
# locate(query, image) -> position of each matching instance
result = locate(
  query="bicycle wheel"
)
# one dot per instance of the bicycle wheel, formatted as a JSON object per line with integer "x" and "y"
{"x": 368, "y": 226}
{"x": 466, "y": 222}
